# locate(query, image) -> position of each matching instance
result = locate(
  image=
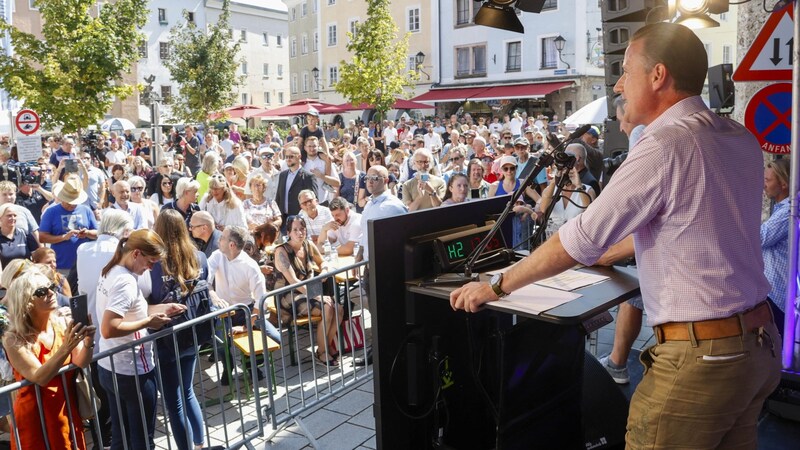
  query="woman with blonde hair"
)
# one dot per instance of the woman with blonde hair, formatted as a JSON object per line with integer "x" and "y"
{"x": 209, "y": 168}
{"x": 38, "y": 344}
{"x": 222, "y": 204}
{"x": 140, "y": 168}
{"x": 128, "y": 376}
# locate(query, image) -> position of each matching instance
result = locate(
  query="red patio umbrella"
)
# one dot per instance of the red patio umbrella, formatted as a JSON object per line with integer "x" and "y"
{"x": 238, "y": 112}
{"x": 300, "y": 107}
{"x": 398, "y": 104}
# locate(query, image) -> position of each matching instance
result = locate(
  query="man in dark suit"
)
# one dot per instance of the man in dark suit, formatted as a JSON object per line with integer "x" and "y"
{"x": 290, "y": 182}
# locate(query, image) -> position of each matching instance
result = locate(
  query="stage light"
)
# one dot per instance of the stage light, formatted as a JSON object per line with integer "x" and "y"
{"x": 694, "y": 13}
{"x": 499, "y": 14}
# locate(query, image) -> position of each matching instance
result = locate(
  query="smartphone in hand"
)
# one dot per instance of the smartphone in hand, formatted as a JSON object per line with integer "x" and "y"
{"x": 78, "y": 306}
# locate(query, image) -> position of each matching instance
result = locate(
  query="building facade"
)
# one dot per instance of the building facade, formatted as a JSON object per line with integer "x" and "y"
{"x": 304, "y": 43}
{"x": 261, "y": 27}
{"x": 492, "y": 71}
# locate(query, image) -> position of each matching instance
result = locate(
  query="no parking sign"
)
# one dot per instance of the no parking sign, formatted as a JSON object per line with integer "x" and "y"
{"x": 769, "y": 117}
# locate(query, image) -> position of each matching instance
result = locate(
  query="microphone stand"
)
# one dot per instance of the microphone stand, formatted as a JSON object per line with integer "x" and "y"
{"x": 562, "y": 181}
{"x": 557, "y": 156}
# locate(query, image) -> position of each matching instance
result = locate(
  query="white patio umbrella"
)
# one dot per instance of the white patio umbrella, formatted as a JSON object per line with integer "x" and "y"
{"x": 595, "y": 112}
{"x": 117, "y": 124}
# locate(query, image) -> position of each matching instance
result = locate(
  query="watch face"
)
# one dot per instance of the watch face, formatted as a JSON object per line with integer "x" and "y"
{"x": 495, "y": 279}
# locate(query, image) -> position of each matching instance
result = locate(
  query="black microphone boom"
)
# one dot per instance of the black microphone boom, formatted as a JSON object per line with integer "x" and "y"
{"x": 552, "y": 139}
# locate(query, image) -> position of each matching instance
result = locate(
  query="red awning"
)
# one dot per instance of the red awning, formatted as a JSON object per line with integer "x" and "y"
{"x": 530, "y": 90}
{"x": 449, "y": 95}
{"x": 521, "y": 91}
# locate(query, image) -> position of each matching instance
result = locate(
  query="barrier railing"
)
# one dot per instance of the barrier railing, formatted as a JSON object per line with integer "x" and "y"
{"x": 304, "y": 383}
{"x": 231, "y": 411}
{"x": 222, "y": 427}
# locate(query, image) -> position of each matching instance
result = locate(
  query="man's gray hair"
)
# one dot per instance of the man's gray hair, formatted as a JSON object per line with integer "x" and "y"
{"x": 578, "y": 149}
{"x": 115, "y": 222}
{"x": 238, "y": 235}
{"x": 306, "y": 192}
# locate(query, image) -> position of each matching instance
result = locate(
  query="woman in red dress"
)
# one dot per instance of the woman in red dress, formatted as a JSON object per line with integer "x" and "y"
{"x": 39, "y": 343}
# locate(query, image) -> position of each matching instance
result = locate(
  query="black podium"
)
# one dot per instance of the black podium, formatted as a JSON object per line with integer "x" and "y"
{"x": 446, "y": 379}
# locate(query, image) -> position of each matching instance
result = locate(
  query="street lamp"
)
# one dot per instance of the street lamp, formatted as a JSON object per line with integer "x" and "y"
{"x": 560, "y": 44}
{"x": 315, "y": 74}
{"x": 419, "y": 58}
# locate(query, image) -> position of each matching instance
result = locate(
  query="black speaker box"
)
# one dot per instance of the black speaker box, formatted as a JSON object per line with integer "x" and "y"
{"x": 604, "y": 407}
{"x": 721, "y": 92}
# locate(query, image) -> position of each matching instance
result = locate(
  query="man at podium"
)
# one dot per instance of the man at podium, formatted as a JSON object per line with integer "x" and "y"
{"x": 690, "y": 192}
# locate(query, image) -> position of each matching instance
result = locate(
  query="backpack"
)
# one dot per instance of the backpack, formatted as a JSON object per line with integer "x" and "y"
{"x": 198, "y": 304}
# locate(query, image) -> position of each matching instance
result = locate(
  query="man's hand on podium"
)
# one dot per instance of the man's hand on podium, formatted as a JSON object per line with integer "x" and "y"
{"x": 472, "y": 296}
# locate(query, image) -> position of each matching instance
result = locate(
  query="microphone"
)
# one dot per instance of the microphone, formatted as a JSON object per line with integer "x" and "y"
{"x": 552, "y": 139}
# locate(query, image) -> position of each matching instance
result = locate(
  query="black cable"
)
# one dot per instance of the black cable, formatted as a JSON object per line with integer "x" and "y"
{"x": 476, "y": 374}
{"x": 405, "y": 413}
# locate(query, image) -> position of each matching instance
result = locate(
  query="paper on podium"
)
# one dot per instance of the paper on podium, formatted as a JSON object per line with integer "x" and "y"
{"x": 534, "y": 299}
{"x": 569, "y": 280}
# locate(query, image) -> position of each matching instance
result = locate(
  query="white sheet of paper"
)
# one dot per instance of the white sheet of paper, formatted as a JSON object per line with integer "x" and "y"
{"x": 569, "y": 280}
{"x": 535, "y": 299}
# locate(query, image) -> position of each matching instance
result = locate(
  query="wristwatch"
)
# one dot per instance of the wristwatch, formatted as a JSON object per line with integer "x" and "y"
{"x": 494, "y": 282}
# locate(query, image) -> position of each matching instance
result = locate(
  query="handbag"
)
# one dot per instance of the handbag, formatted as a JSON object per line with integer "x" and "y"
{"x": 352, "y": 335}
{"x": 85, "y": 394}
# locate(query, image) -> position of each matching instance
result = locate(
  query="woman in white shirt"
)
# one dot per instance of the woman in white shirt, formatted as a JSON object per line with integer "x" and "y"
{"x": 125, "y": 318}
{"x": 222, "y": 204}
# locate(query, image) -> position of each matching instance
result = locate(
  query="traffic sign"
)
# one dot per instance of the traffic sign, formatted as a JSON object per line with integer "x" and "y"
{"x": 27, "y": 122}
{"x": 771, "y": 55}
{"x": 769, "y": 117}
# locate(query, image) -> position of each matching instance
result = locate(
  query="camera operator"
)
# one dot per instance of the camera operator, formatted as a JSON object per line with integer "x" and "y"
{"x": 33, "y": 197}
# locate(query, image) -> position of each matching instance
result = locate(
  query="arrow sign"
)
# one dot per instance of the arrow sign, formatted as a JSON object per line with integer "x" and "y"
{"x": 771, "y": 55}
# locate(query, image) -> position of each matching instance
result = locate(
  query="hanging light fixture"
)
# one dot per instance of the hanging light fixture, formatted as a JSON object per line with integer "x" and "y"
{"x": 499, "y": 14}
{"x": 695, "y": 13}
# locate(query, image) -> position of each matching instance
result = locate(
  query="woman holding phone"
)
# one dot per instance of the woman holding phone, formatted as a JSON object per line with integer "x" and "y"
{"x": 38, "y": 344}
{"x": 126, "y": 317}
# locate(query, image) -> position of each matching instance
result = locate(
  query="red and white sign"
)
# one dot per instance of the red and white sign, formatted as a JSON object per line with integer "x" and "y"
{"x": 769, "y": 117}
{"x": 27, "y": 122}
{"x": 770, "y": 57}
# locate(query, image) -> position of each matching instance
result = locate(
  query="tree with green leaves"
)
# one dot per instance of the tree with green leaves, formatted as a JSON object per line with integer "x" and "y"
{"x": 377, "y": 73}
{"x": 71, "y": 77}
{"x": 204, "y": 66}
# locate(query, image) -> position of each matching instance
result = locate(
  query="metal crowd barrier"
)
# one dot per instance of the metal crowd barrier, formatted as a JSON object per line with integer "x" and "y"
{"x": 228, "y": 420}
{"x": 234, "y": 415}
{"x": 303, "y": 384}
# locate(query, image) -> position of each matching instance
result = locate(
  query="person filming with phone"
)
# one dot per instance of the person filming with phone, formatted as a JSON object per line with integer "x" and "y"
{"x": 425, "y": 190}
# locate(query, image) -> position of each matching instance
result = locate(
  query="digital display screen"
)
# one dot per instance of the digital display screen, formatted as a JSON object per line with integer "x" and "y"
{"x": 454, "y": 248}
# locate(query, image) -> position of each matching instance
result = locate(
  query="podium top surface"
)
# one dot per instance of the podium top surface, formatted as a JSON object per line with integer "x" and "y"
{"x": 621, "y": 285}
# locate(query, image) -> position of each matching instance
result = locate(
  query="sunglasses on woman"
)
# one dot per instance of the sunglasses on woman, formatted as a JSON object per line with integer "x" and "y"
{"x": 42, "y": 291}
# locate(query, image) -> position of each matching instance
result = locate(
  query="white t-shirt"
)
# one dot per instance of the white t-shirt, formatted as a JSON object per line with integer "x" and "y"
{"x": 119, "y": 293}
{"x": 349, "y": 232}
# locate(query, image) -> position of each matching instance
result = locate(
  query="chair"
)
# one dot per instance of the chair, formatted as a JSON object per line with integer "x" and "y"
{"x": 292, "y": 325}
{"x": 242, "y": 343}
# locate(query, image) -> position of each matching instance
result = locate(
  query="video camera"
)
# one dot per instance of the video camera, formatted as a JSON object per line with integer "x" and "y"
{"x": 89, "y": 146}
{"x": 610, "y": 165}
{"x": 22, "y": 172}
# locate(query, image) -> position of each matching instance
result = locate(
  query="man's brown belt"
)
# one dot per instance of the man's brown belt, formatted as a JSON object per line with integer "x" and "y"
{"x": 758, "y": 316}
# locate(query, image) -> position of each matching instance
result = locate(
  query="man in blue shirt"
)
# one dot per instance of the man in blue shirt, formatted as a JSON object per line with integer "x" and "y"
{"x": 775, "y": 236}
{"x": 67, "y": 224}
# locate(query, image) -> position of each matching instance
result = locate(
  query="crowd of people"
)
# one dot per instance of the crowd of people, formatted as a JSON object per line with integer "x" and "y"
{"x": 138, "y": 227}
